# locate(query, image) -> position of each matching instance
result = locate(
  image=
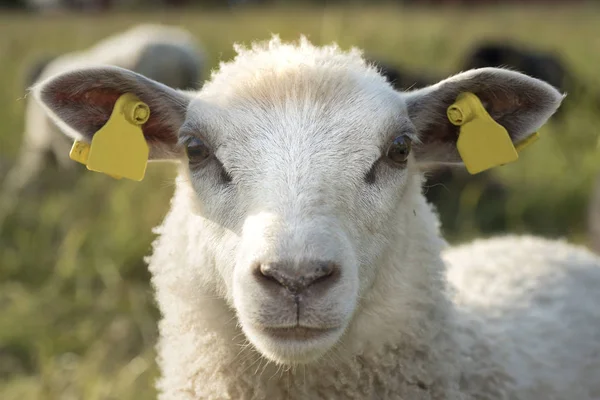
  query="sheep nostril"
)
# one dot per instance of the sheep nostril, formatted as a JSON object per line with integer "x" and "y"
{"x": 325, "y": 271}
{"x": 298, "y": 277}
{"x": 266, "y": 271}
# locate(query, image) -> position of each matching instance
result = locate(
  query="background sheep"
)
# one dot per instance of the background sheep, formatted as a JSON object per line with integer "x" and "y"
{"x": 298, "y": 231}
{"x": 401, "y": 77}
{"x": 167, "y": 54}
{"x": 502, "y": 53}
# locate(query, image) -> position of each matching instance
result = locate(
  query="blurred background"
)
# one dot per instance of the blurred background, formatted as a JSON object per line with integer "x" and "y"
{"x": 77, "y": 318}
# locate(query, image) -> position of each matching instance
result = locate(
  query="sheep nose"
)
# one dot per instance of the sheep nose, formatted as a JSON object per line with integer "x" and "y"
{"x": 297, "y": 278}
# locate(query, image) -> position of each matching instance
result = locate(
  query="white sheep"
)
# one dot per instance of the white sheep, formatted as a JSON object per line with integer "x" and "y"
{"x": 300, "y": 260}
{"x": 167, "y": 54}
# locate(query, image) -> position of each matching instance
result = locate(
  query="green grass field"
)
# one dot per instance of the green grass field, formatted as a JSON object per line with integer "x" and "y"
{"x": 77, "y": 319}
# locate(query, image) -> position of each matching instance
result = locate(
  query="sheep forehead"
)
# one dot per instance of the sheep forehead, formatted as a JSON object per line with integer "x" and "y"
{"x": 312, "y": 100}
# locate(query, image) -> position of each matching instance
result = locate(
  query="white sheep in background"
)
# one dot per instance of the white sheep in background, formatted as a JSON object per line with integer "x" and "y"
{"x": 300, "y": 260}
{"x": 167, "y": 54}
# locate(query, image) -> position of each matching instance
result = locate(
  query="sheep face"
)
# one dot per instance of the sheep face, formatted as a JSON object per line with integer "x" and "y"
{"x": 299, "y": 164}
{"x": 307, "y": 166}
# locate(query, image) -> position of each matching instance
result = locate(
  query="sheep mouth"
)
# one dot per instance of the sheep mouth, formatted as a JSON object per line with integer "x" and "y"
{"x": 298, "y": 333}
{"x": 293, "y": 345}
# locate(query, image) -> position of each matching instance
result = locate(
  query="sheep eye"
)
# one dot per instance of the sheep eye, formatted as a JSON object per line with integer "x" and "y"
{"x": 197, "y": 151}
{"x": 399, "y": 150}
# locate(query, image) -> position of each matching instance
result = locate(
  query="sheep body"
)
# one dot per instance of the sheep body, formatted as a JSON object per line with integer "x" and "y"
{"x": 288, "y": 121}
{"x": 536, "y": 302}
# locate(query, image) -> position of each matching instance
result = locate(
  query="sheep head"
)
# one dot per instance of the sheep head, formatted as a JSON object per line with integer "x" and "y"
{"x": 303, "y": 160}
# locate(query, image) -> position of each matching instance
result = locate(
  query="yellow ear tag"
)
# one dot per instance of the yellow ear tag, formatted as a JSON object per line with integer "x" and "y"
{"x": 482, "y": 142}
{"x": 119, "y": 148}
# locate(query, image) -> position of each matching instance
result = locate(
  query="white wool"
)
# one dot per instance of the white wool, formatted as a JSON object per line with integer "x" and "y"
{"x": 299, "y": 174}
{"x": 537, "y": 300}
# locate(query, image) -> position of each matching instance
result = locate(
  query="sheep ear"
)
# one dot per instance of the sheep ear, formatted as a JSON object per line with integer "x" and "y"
{"x": 81, "y": 102}
{"x": 519, "y": 103}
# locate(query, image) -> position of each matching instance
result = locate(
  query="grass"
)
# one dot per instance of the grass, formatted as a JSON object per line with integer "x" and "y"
{"x": 77, "y": 319}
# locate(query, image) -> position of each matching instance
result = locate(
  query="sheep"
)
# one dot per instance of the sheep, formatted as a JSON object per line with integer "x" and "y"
{"x": 299, "y": 258}
{"x": 167, "y": 54}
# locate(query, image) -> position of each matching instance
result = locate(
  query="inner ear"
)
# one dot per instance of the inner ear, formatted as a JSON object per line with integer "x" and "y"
{"x": 519, "y": 103}
{"x": 97, "y": 104}
{"x": 438, "y": 139}
{"x": 82, "y": 101}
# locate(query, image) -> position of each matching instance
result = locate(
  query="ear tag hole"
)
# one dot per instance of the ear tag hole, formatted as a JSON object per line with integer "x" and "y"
{"x": 482, "y": 142}
{"x": 119, "y": 148}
